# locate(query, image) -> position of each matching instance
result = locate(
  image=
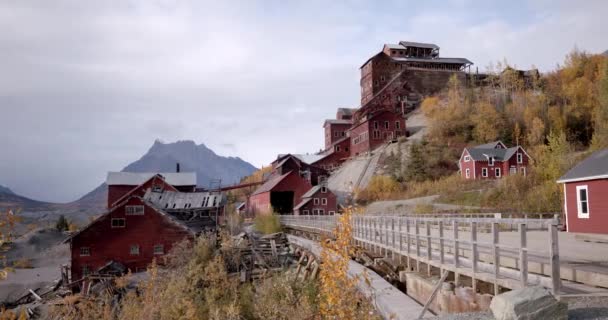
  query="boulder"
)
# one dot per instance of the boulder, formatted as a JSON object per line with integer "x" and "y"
{"x": 529, "y": 303}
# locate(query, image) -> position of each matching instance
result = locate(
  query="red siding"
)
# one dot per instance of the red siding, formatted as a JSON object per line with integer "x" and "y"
{"x": 113, "y": 244}
{"x": 598, "y": 207}
{"x": 332, "y": 203}
{"x": 260, "y": 203}
{"x": 333, "y": 129}
{"x": 360, "y": 131}
{"x": 374, "y": 132}
{"x": 336, "y": 158}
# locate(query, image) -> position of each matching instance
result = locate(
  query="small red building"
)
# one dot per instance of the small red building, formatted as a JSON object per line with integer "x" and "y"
{"x": 335, "y": 129}
{"x": 290, "y": 178}
{"x": 123, "y": 184}
{"x": 586, "y": 195}
{"x": 333, "y": 157}
{"x": 319, "y": 200}
{"x": 492, "y": 161}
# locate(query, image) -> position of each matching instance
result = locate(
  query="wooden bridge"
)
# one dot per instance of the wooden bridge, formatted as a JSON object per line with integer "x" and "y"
{"x": 489, "y": 248}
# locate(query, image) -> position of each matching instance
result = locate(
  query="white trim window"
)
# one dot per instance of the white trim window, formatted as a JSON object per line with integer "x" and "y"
{"x": 134, "y": 250}
{"x": 331, "y": 213}
{"x": 159, "y": 249}
{"x": 321, "y": 212}
{"x": 491, "y": 161}
{"x": 523, "y": 171}
{"x": 484, "y": 172}
{"x": 467, "y": 158}
{"x": 520, "y": 158}
{"x": 497, "y": 172}
{"x": 305, "y": 212}
{"x": 315, "y": 201}
{"x": 582, "y": 201}
{"x": 512, "y": 171}
{"x": 85, "y": 251}
{"x": 324, "y": 201}
{"x": 467, "y": 173}
{"x": 134, "y": 210}
{"x": 323, "y": 189}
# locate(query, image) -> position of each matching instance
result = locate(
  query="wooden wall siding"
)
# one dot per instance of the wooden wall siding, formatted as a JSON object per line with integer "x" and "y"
{"x": 597, "y": 191}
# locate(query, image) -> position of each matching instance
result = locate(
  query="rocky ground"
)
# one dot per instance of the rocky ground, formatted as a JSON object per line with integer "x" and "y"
{"x": 42, "y": 248}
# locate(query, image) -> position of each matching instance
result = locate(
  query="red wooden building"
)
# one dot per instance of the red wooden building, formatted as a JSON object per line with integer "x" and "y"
{"x": 586, "y": 195}
{"x": 319, "y": 200}
{"x": 121, "y": 184}
{"x": 333, "y": 157}
{"x": 143, "y": 224}
{"x": 492, "y": 161}
{"x": 291, "y": 177}
{"x": 374, "y": 130}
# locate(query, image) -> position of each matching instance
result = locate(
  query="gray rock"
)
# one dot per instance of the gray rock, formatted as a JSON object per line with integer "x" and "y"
{"x": 529, "y": 303}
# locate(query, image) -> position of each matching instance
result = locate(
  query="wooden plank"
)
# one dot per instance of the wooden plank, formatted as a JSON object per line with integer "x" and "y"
{"x": 456, "y": 252}
{"x": 441, "y": 248}
{"x": 433, "y": 294}
{"x": 554, "y": 256}
{"x": 393, "y": 235}
{"x": 400, "y": 242}
{"x": 409, "y": 243}
{"x": 523, "y": 254}
{"x": 474, "y": 253}
{"x": 496, "y": 256}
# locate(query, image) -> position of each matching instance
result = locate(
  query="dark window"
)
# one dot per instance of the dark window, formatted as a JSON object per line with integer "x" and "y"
{"x": 85, "y": 251}
{"x": 159, "y": 249}
{"x": 386, "y": 125}
{"x": 134, "y": 250}
{"x": 118, "y": 223}
{"x": 134, "y": 210}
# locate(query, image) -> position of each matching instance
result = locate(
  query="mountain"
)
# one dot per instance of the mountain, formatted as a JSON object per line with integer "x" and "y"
{"x": 11, "y": 200}
{"x": 163, "y": 157}
{"x": 605, "y": 53}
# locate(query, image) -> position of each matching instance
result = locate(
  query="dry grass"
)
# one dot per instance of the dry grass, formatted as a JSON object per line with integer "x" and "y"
{"x": 267, "y": 223}
{"x": 23, "y": 263}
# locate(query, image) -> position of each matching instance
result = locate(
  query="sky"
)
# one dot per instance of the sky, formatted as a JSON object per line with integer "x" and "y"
{"x": 87, "y": 86}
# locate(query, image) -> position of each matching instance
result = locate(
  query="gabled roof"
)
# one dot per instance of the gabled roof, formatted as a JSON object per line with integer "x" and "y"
{"x": 482, "y": 154}
{"x": 312, "y": 191}
{"x": 309, "y": 158}
{"x": 271, "y": 183}
{"x": 593, "y": 167}
{"x": 132, "y": 191}
{"x": 137, "y": 178}
{"x": 302, "y": 203}
{"x": 168, "y": 217}
{"x": 491, "y": 145}
{"x": 347, "y": 111}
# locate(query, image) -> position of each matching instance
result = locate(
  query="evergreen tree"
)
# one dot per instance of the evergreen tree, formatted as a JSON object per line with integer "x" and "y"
{"x": 62, "y": 224}
{"x": 416, "y": 167}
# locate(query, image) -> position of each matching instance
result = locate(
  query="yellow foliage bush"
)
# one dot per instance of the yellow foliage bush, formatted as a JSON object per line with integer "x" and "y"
{"x": 267, "y": 223}
{"x": 379, "y": 188}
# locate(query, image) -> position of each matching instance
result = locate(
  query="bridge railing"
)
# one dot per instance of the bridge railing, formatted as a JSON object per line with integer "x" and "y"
{"x": 469, "y": 246}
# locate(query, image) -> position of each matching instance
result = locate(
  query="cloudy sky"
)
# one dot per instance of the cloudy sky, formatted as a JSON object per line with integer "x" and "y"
{"x": 87, "y": 86}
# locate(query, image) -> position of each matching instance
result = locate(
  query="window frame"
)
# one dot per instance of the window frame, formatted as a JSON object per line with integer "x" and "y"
{"x": 321, "y": 212}
{"x": 323, "y": 201}
{"x": 156, "y": 252}
{"x": 135, "y": 210}
{"x": 497, "y": 172}
{"x": 323, "y": 189}
{"x": 315, "y": 201}
{"x": 467, "y": 158}
{"x": 113, "y": 226}
{"x": 580, "y": 214}
{"x": 305, "y": 212}
{"x": 87, "y": 251}
{"x": 491, "y": 161}
{"x": 134, "y": 246}
{"x": 387, "y": 125}
{"x": 467, "y": 173}
{"x": 520, "y": 158}
{"x": 484, "y": 172}
{"x": 398, "y": 125}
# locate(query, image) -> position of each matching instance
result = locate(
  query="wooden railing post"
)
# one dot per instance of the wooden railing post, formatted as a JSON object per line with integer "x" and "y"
{"x": 496, "y": 256}
{"x": 409, "y": 244}
{"x": 417, "y": 227}
{"x": 474, "y": 253}
{"x": 554, "y": 256}
{"x": 523, "y": 254}
{"x": 428, "y": 248}
{"x": 441, "y": 249}
{"x": 393, "y": 235}
{"x": 400, "y": 241}
{"x": 456, "y": 252}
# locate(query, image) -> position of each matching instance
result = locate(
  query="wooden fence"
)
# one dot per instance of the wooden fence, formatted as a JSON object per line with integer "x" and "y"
{"x": 451, "y": 242}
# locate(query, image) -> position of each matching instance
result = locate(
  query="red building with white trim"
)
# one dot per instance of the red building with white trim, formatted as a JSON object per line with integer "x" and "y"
{"x": 586, "y": 195}
{"x": 121, "y": 184}
{"x": 319, "y": 200}
{"x": 492, "y": 161}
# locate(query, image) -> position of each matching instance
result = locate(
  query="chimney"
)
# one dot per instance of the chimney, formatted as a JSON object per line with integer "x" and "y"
{"x": 177, "y": 167}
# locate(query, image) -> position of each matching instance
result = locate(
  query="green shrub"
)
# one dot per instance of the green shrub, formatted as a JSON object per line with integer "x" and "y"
{"x": 267, "y": 223}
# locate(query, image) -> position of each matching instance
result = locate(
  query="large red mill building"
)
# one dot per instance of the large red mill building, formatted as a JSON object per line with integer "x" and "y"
{"x": 393, "y": 82}
{"x": 143, "y": 222}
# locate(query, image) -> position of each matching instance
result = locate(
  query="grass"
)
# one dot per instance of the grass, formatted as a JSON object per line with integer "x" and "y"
{"x": 23, "y": 263}
{"x": 267, "y": 223}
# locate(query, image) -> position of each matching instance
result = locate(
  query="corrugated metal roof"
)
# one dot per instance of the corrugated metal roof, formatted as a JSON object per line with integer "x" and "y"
{"x": 418, "y": 44}
{"x": 302, "y": 203}
{"x": 434, "y": 60}
{"x": 593, "y": 167}
{"x": 394, "y": 46}
{"x": 170, "y": 200}
{"x": 137, "y": 178}
{"x": 490, "y": 145}
{"x": 309, "y": 158}
{"x": 337, "y": 121}
{"x": 312, "y": 191}
{"x": 271, "y": 183}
